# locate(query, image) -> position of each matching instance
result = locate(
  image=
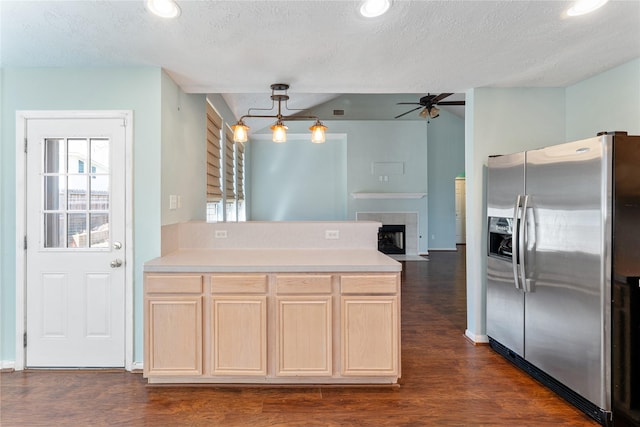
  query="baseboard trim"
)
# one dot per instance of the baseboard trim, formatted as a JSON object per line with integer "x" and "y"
{"x": 137, "y": 367}
{"x": 7, "y": 366}
{"x": 476, "y": 339}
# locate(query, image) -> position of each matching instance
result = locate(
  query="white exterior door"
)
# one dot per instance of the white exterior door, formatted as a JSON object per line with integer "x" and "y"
{"x": 75, "y": 242}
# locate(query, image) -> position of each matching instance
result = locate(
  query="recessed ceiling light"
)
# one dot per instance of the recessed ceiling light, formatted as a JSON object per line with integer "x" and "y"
{"x": 373, "y": 8}
{"x": 582, "y": 7}
{"x": 164, "y": 8}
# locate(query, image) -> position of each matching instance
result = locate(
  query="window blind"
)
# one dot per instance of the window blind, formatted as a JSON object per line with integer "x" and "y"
{"x": 240, "y": 170}
{"x": 229, "y": 165}
{"x": 214, "y": 124}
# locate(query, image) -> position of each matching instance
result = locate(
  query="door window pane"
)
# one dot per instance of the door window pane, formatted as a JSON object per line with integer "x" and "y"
{"x": 99, "y": 192}
{"x": 76, "y": 153}
{"x": 99, "y": 230}
{"x": 99, "y": 155}
{"x": 54, "y": 193}
{"x": 77, "y": 230}
{"x": 53, "y": 155}
{"x": 54, "y": 230}
{"x": 77, "y": 192}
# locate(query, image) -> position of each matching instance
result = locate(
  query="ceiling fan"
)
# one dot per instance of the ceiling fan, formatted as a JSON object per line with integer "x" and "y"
{"x": 428, "y": 105}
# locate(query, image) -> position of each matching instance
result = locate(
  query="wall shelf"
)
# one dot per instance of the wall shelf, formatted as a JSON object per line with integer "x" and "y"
{"x": 388, "y": 195}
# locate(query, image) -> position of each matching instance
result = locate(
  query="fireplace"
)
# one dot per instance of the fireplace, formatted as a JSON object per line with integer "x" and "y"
{"x": 391, "y": 239}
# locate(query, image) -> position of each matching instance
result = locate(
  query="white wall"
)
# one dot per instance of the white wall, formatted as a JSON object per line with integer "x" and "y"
{"x": 607, "y": 102}
{"x": 499, "y": 121}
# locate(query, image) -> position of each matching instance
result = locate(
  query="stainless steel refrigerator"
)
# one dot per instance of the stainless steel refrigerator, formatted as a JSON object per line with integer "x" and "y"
{"x": 563, "y": 222}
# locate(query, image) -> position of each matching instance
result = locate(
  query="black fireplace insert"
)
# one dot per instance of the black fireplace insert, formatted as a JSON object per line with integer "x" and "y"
{"x": 391, "y": 239}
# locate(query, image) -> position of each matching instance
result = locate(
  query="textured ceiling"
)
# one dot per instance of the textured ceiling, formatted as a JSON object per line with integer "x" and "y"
{"x": 325, "y": 48}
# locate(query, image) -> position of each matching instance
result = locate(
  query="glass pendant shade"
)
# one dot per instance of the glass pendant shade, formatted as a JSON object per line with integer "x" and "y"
{"x": 317, "y": 132}
{"x": 240, "y": 133}
{"x": 434, "y": 112}
{"x": 279, "y": 132}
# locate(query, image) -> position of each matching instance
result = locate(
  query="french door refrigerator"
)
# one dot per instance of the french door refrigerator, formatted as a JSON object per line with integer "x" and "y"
{"x": 563, "y": 223}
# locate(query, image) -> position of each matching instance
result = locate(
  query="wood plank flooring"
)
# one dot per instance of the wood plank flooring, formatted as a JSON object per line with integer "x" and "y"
{"x": 446, "y": 381}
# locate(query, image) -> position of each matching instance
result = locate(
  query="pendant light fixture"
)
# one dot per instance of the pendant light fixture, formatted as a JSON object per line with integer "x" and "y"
{"x": 278, "y": 94}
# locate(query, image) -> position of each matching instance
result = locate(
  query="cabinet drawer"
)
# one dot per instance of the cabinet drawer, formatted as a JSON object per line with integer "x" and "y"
{"x": 161, "y": 284}
{"x": 239, "y": 284}
{"x": 303, "y": 284}
{"x": 369, "y": 284}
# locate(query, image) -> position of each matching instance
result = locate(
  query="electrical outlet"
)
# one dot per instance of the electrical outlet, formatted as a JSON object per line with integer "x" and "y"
{"x": 332, "y": 234}
{"x": 221, "y": 234}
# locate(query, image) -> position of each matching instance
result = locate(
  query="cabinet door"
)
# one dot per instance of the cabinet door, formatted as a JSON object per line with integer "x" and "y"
{"x": 369, "y": 335}
{"x": 239, "y": 335}
{"x": 174, "y": 335}
{"x": 303, "y": 337}
{"x": 173, "y": 324}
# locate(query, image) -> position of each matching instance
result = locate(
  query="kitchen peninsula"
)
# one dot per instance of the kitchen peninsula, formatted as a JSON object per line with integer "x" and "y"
{"x": 272, "y": 303}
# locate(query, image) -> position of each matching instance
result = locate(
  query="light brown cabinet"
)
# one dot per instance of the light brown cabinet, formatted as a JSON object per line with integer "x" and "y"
{"x": 239, "y": 325}
{"x": 304, "y": 325}
{"x": 173, "y": 333}
{"x": 370, "y": 325}
{"x": 369, "y": 335}
{"x": 281, "y": 328}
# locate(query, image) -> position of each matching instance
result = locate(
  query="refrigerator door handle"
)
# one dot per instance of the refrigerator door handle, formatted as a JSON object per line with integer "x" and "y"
{"x": 522, "y": 246}
{"x": 515, "y": 243}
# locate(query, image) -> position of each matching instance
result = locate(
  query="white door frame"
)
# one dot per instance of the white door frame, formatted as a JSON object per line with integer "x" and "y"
{"x": 21, "y": 134}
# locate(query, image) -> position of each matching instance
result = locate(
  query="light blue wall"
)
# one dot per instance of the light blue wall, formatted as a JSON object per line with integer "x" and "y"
{"x": 607, "y": 102}
{"x": 366, "y": 142}
{"x": 183, "y": 153}
{"x": 298, "y": 180}
{"x": 445, "y": 155}
{"x": 136, "y": 89}
{"x": 499, "y": 121}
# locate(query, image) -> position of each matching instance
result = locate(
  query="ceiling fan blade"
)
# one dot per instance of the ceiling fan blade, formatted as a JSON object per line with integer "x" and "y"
{"x": 408, "y": 103}
{"x": 427, "y": 99}
{"x": 451, "y": 103}
{"x": 410, "y": 111}
{"x": 439, "y": 97}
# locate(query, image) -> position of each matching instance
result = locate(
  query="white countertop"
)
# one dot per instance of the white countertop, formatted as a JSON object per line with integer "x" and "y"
{"x": 272, "y": 260}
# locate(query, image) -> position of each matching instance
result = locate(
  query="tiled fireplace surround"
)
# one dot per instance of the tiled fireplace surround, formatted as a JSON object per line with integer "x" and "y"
{"x": 408, "y": 219}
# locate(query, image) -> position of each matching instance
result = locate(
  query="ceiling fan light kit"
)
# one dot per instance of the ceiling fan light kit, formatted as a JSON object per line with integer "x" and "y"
{"x": 279, "y": 129}
{"x": 429, "y": 112}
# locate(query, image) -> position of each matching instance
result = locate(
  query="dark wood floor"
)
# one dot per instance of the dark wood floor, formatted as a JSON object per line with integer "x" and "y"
{"x": 446, "y": 381}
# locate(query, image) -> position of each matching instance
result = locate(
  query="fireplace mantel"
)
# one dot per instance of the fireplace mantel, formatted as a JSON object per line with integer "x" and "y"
{"x": 388, "y": 195}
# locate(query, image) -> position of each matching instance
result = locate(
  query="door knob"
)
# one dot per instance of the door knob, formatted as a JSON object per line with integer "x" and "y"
{"x": 116, "y": 263}
{"x": 117, "y": 245}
